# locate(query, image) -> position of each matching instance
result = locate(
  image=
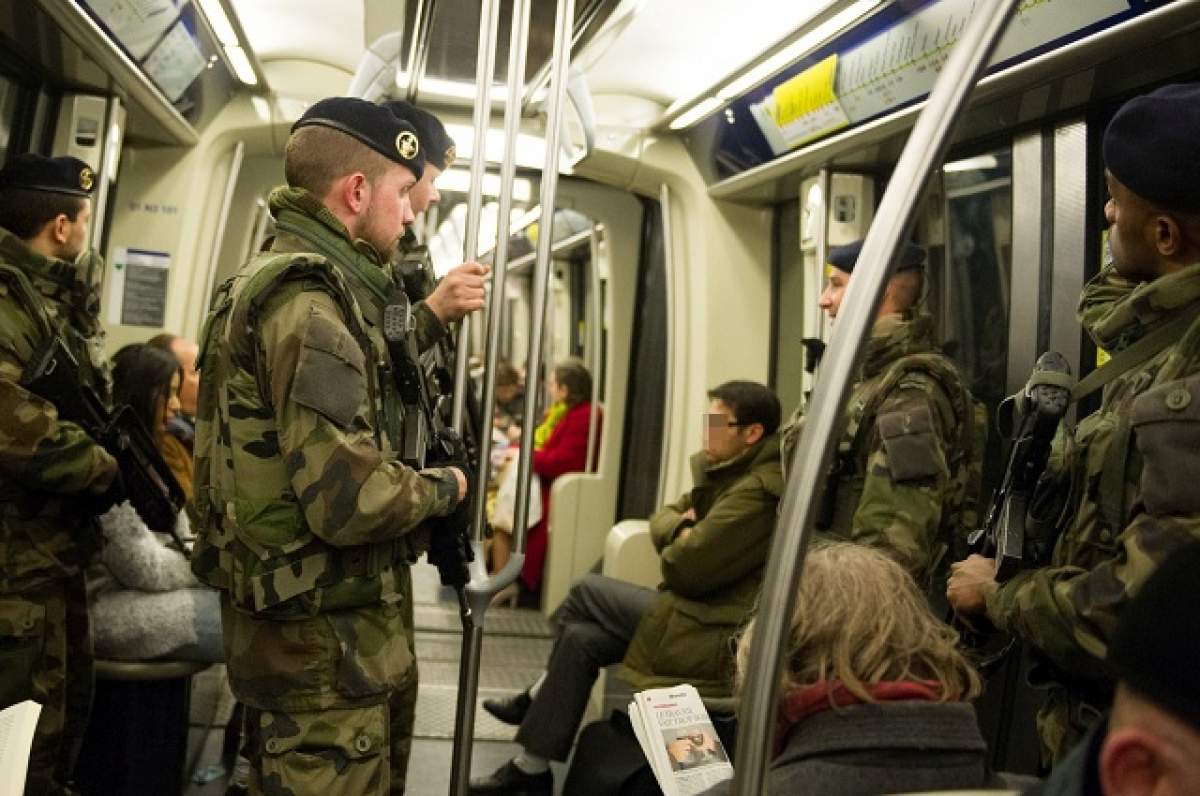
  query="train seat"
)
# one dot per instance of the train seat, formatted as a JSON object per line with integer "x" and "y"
{"x": 629, "y": 554}
{"x": 140, "y": 718}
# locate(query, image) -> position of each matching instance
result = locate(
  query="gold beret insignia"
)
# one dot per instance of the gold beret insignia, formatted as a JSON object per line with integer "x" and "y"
{"x": 86, "y": 178}
{"x": 407, "y": 145}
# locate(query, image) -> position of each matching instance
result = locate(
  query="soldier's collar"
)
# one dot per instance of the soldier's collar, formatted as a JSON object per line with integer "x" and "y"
{"x": 1117, "y": 313}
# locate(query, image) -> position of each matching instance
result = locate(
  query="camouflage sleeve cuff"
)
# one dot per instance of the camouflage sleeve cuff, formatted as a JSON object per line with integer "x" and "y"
{"x": 446, "y": 489}
{"x": 430, "y": 330}
{"x": 1002, "y": 603}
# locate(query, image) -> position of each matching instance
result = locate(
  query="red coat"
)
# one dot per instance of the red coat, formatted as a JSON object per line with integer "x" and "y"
{"x": 564, "y": 452}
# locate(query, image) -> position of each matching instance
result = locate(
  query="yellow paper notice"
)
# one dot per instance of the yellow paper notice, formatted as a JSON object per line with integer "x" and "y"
{"x": 806, "y": 93}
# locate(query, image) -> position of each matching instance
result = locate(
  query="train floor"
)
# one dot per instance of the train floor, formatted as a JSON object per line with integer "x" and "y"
{"x": 516, "y": 644}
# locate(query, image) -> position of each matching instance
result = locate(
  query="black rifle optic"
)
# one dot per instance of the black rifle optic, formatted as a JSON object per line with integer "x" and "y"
{"x": 1035, "y": 414}
{"x": 428, "y": 442}
{"x": 148, "y": 482}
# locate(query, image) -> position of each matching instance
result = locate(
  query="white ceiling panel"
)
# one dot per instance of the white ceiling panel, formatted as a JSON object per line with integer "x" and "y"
{"x": 326, "y": 31}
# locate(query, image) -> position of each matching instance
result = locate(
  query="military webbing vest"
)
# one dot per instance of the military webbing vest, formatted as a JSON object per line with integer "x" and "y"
{"x": 965, "y": 450}
{"x": 41, "y": 533}
{"x": 261, "y": 550}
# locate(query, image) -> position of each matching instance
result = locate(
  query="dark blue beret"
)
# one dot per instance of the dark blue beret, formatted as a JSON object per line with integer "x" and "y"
{"x": 56, "y": 175}
{"x": 1152, "y": 146}
{"x": 1157, "y": 642}
{"x": 844, "y": 258}
{"x": 439, "y": 146}
{"x": 373, "y": 125}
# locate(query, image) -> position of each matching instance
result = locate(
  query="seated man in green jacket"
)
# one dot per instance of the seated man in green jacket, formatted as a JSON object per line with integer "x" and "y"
{"x": 713, "y": 543}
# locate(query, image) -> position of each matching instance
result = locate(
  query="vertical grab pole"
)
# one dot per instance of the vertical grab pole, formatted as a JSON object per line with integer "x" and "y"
{"x": 560, "y": 61}
{"x": 597, "y": 335}
{"x": 474, "y": 599}
{"x": 485, "y": 68}
{"x": 925, "y": 149}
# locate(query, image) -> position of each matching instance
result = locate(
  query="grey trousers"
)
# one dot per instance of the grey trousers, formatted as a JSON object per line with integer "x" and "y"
{"x": 594, "y": 626}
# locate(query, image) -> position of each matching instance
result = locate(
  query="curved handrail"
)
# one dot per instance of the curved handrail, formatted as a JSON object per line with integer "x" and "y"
{"x": 925, "y": 148}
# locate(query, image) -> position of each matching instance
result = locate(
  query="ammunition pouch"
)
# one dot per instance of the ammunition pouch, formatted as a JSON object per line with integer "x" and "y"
{"x": 299, "y": 578}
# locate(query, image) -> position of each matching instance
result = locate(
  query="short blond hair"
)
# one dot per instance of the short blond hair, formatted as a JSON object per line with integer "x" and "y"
{"x": 316, "y": 156}
{"x": 860, "y": 619}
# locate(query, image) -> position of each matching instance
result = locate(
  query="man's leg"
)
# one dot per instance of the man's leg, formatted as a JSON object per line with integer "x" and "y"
{"x": 595, "y": 624}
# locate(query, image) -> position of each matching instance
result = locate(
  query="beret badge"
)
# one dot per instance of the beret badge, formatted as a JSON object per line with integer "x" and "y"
{"x": 86, "y": 178}
{"x": 407, "y": 145}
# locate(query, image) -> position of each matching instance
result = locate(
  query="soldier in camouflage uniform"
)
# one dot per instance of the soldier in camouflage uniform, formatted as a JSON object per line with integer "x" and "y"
{"x": 53, "y": 478}
{"x": 1127, "y": 474}
{"x": 907, "y": 469}
{"x": 308, "y": 521}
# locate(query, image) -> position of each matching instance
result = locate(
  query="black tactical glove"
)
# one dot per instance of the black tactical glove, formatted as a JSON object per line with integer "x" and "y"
{"x": 450, "y": 536}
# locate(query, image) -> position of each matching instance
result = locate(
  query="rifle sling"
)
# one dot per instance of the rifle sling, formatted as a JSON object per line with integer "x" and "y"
{"x": 1136, "y": 354}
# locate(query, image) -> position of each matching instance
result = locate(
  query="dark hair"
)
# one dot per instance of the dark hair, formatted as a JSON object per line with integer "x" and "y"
{"x": 507, "y": 375}
{"x": 163, "y": 342}
{"x": 24, "y": 212}
{"x": 750, "y": 402}
{"x": 572, "y": 374}
{"x": 142, "y": 376}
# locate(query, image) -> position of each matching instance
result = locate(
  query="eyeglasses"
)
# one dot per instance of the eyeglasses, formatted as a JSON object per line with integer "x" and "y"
{"x": 713, "y": 420}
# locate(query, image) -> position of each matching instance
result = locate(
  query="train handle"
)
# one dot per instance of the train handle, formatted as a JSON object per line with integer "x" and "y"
{"x": 924, "y": 150}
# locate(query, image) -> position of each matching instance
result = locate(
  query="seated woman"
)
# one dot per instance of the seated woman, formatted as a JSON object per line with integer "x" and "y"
{"x": 874, "y": 696}
{"x": 560, "y": 447}
{"x": 145, "y": 602}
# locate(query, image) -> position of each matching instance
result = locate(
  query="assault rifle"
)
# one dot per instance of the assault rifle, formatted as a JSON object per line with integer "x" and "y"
{"x": 428, "y": 442}
{"x": 149, "y": 483}
{"x": 1034, "y": 414}
{"x": 418, "y": 282}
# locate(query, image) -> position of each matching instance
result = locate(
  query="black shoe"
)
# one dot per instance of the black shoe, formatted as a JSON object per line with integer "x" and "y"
{"x": 512, "y": 781}
{"x": 511, "y": 710}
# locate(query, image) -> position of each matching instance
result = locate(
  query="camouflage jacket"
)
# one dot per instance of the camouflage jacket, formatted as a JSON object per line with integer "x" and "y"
{"x": 303, "y": 506}
{"x": 46, "y": 464}
{"x": 1126, "y": 476}
{"x": 908, "y": 466}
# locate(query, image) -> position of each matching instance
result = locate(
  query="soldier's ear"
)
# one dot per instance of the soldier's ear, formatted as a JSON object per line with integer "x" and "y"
{"x": 60, "y": 228}
{"x": 1168, "y": 235}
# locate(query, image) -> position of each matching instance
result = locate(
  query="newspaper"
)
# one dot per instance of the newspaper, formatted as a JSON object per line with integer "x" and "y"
{"x": 17, "y": 724}
{"x": 678, "y": 739}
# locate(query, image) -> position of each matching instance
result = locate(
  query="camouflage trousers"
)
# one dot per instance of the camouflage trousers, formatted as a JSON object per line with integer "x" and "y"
{"x": 46, "y": 656}
{"x": 330, "y": 700}
{"x": 1063, "y": 721}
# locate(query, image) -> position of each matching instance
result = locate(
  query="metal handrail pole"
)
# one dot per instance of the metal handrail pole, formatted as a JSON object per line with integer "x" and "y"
{"x": 925, "y": 149}
{"x": 597, "y": 335}
{"x": 495, "y": 314}
{"x": 561, "y": 60}
{"x": 485, "y": 68}
{"x": 474, "y": 599}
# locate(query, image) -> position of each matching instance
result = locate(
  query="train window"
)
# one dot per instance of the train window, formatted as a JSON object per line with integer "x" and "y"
{"x": 10, "y": 95}
{"x": 966, "y": 226}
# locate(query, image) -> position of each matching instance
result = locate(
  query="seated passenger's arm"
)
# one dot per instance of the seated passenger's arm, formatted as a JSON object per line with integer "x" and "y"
{"x": 907, "y": 481}
{"x": 349, "y": 493}
{"x": 667, "y": 521}
{"x": 724, "y": 546}
{"x": 137, "y": 559}
{"x": 37, "y": 449}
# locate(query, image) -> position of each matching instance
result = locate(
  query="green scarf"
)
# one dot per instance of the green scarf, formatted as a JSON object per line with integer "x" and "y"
{"x": 1117, "y": 312}
{"x": 299, "y": 213}
{"x": 554, "y": 416}
{"x": 894, "y": 336}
